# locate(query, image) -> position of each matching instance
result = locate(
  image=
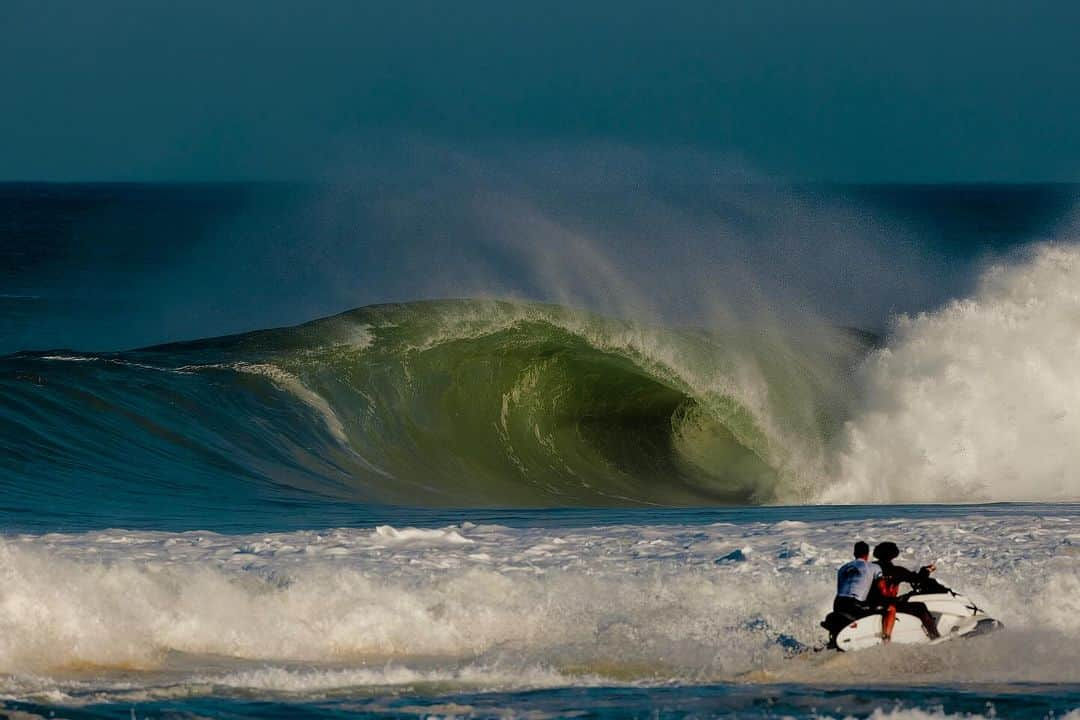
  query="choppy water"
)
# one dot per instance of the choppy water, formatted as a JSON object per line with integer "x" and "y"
{"x": 606, "y": 613}
{"x": 685, "y": 613}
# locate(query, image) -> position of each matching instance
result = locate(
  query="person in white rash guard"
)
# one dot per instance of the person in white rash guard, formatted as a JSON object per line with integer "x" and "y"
{"x": 854, "y": 580}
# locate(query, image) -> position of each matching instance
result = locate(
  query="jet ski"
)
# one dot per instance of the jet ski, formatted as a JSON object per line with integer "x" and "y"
{"x": 956, "y": 616}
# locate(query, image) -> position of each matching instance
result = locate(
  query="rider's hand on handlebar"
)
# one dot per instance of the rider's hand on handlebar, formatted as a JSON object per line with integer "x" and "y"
{"x": 930, "y": 568}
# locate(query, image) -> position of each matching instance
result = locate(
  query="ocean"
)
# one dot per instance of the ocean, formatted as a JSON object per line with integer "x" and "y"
{"x": 381, "y": 451}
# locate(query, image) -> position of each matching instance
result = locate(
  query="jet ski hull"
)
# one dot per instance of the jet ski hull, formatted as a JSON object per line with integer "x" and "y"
{"x": 956, "y": 617}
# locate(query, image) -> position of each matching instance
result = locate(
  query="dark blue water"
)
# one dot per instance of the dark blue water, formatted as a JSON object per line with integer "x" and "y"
{"x": 708, "y": 701}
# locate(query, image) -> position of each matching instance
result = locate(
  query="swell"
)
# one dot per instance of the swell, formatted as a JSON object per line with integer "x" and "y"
{"x": 449, "y": 403}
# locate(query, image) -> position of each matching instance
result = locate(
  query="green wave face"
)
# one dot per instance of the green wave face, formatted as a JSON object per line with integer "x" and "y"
{"x": 494, "y": 403}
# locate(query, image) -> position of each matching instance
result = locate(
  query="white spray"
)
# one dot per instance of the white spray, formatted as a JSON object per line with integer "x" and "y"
{"x": 978, "y": 401}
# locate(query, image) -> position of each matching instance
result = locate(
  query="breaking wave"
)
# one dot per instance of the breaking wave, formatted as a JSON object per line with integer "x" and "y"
{"x": 978, "y": 401}
{"x": 475, "y": 403}
{"x": 450, "y": 403}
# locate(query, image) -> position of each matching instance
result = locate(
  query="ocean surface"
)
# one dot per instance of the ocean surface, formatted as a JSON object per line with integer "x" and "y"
{"x": 257, "y": 461}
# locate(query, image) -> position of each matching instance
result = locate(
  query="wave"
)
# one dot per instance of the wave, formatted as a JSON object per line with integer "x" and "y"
{"x": 483, "y": 403}
{"x": 448, "y": 403}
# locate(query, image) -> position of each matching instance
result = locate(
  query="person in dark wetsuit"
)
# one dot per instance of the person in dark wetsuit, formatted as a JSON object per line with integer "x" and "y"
{"x": 888, "y": 587}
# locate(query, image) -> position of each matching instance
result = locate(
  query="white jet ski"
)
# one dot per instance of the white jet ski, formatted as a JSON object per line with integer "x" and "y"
{"x": 956, "y": 616}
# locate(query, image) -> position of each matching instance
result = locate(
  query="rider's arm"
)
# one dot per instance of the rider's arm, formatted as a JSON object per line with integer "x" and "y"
{"x": 902, "y": 574}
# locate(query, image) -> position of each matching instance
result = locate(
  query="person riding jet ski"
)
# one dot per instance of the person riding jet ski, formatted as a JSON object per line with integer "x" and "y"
{"x": 888, "y": 586}
{"x": 857, "y": 621}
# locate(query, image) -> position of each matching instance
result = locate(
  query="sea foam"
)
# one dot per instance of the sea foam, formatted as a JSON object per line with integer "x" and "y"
{"x": 626, "y": 603}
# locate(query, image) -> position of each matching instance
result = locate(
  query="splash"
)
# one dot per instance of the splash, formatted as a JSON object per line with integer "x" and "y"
{"x": 978, "y": 401}
{"x": 641, "y": 603}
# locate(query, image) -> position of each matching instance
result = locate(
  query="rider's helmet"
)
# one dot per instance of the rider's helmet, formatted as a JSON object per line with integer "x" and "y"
{"x": 886, "y": 551}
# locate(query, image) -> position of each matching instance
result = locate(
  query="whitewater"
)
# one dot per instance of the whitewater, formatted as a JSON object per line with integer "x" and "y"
{"x": 494, "y": 607}
{"x": 976, "y": 401}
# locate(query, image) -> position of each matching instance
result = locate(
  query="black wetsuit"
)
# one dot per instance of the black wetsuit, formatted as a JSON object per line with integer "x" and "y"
{"x": 893, "y": 575}
{"x": 852, "y": 606}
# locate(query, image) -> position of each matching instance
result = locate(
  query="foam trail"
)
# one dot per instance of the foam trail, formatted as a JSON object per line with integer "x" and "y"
{"x": 979, "y": 401}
